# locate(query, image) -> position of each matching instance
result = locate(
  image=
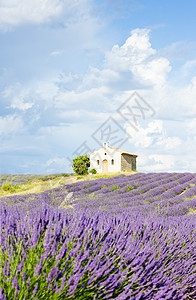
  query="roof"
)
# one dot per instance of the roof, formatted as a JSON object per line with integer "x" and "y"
{"x": 117, "y": 149}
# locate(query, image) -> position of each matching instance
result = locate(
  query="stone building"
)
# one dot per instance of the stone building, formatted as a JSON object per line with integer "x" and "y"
{"x": 109, "y": 159}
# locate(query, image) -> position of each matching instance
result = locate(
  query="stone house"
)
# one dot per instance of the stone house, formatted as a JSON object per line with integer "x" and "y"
{"x": 109, "y": 159}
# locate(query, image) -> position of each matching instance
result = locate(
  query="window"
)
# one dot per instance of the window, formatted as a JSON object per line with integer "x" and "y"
{"x": 97, "y": 162}
{"x": 112, "y": 162}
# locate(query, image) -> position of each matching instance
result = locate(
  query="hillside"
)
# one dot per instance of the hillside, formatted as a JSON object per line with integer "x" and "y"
{"x": 26, "y": 184}
{"x": 152, "y": 193}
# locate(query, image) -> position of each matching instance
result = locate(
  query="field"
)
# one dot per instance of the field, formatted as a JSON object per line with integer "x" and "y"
{"x": 122, "y": 237}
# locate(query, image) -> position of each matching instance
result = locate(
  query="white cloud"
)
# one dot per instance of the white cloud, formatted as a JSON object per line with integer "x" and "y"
{"x": 17, "y": 12}
{"x": 135, "y": 50}
{"x": 25, "y": 97}
{"x": 160, "y": 163}
{"x": 145, "y": 137}
{"x": 11, "y": 124}
{"x": 178, "y": 102}
{"x": 153, "y": 72}
{"x": 14, "y": 13}
{"x": 138, "y": 57}
{"x": 180, "y": 50}
{"x": 17, "y": 96}
{"x": 78, "y": 99}
{"x": 169, "y": 142}
{"x": 109, "y": 86}
{"x": 156, "y": 163}
{"x": 192, "y": 87}
{"x": 188, "y": 66}
{"x": 105, "y": 77}
{"x": 79, "y": 115}
{"x": 167, "y": 153}
{"x": 19, "y": 103}
{"x": 56, "y": 53}
{"x": 167, "y": 163}
{"x": 89, "y": 100}
{"x": 191, "y": 127}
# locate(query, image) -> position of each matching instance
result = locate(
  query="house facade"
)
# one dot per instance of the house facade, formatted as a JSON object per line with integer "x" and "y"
{"x": 110, "y": 159}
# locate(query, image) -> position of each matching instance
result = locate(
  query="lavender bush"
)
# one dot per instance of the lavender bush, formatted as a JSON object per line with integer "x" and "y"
{"x": 127, "y": 237}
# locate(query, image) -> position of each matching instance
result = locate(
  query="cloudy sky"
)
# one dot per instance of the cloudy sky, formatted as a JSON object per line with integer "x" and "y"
{"x": 75, "y": 73}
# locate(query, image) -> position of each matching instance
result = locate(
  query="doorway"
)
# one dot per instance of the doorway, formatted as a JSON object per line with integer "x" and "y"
{"x": 105, "y": 166}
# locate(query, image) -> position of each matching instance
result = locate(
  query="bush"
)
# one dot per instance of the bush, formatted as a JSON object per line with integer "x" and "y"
{"x": 8, "y": 187}
{"x": 64, "y": 175}
{"x": 79, "y": 177}
{"x": 93, "y": 171}
{"x": 81, "y": 164}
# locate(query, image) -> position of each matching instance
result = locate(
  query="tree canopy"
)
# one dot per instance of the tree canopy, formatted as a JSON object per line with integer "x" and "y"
{"x": 81, "y": 164}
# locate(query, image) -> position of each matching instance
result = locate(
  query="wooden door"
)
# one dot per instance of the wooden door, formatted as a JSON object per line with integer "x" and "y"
{"x": 105, "y": 166}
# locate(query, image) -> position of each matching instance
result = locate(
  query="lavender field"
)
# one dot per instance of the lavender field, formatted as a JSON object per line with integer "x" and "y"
{"x": 126, "y": 237}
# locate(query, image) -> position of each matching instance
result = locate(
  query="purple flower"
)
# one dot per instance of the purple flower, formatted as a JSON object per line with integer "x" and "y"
{"x": 28, "y": 282}
{"x": 23, "y": 276}
{"x": 52, "y": 274}
{"x": 35, "y": 289}
{"x": 15, "y": 282}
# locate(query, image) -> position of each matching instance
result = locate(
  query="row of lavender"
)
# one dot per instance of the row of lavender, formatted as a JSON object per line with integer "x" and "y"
{"x": 50, "y": 254}
{"x": 156, "y": 194}
{"x": 153, "y": 193}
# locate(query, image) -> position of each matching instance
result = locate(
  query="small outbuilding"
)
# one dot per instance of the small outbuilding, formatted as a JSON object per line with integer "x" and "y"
{"x": 110, "y": 159}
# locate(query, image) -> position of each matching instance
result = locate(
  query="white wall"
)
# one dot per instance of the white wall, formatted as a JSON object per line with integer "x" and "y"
{"x": 100, "y": 155}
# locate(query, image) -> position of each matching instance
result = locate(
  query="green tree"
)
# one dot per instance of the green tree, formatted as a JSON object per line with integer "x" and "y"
{"x": 81, "y": 164}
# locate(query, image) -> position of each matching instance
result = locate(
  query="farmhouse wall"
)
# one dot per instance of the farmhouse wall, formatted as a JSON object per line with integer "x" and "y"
{"x": 128, "y": 162}
{"x": 105, "y": 154}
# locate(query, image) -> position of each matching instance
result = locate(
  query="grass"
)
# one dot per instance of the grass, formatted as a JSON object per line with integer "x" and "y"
{"x": 35, "y": 186}
{"x": 192, "y": 211}
{"x": 190, "y": 198}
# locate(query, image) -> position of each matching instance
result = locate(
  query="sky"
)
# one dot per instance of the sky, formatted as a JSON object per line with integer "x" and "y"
{"x": 76, "y": 73}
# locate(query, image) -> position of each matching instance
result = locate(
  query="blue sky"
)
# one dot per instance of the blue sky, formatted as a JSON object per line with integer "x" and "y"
{"x": 67, "y": 67}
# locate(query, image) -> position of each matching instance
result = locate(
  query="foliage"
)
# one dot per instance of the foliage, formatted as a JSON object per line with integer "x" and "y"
{"x": 52, "y": 176}
{"x": 79, "y": 177}
{"x": 8, "y": 187}
{"x": 115, "y": 187}
{"x": 93, "y": 171}
{"x": 81, "y": 164}
{"x": 130, "y": 188}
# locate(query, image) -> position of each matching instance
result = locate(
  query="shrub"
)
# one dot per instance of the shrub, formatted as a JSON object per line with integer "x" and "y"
{"x": 93, "y": 171}
{"x": 8, "y": 187}
{"x": 64, "y": 175}
{"x": 81, "y": 164}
